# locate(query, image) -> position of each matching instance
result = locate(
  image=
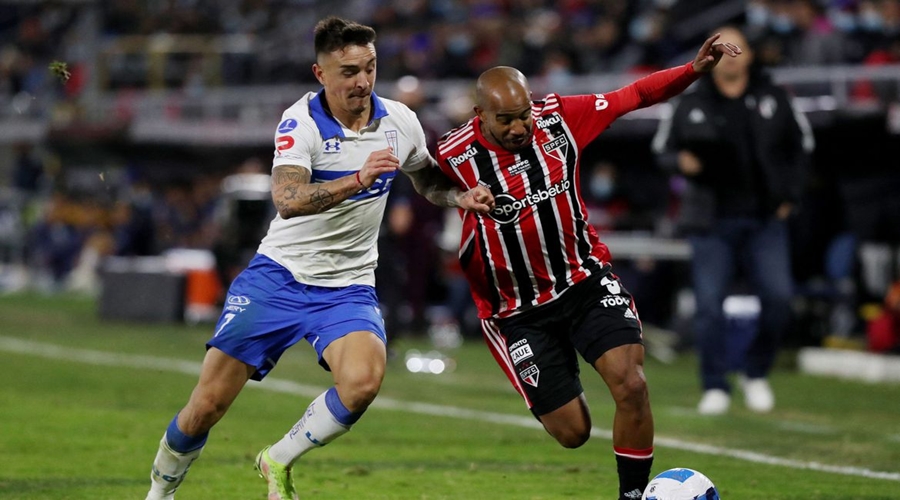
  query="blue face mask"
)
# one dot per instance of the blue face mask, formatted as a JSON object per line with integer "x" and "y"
{"x": 459, "y": 44}
{"x": 601, "y": 187}
{"x": 558, "y": 77}
{"x": 843, "y": 21}
{"x": 757, "y": 15}
{"x": 782, "y": 24}
{"x": 640, "y": 29}
{"x": 870, "y": 20}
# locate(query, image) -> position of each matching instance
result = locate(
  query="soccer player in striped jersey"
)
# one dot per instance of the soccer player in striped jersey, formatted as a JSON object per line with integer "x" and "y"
{"x": 540, "y": 276}
{"x": 336, "y": 153}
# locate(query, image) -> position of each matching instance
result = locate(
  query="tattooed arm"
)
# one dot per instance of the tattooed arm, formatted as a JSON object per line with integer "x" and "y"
{"x": 437, "y": 188}
{"x": 434, "y": 186}
{"x": 294, "y": 195}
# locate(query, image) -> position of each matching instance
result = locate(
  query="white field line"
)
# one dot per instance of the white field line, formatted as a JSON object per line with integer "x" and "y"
{"x": 101, "y": 358}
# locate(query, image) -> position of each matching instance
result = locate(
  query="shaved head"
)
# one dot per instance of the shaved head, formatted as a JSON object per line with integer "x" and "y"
{"x": 501, "y": 83}
{"x": 503, "y": 103}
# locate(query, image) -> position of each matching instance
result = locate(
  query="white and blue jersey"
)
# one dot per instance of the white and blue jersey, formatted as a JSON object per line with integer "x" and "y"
{"x": 338, "y": 247}
{"x": 313, "y": 276}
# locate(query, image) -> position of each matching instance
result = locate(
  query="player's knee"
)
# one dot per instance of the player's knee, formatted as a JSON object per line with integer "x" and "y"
{"x": 359, "y": 392}
{"x": 568, "y": 431}
{"x": 572, "y": 437}
{"x": 201, "y": 415}
{"x": 631, "y": 391}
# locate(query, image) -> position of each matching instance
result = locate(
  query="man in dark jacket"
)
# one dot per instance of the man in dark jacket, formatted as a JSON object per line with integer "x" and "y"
{"x": 743, "y": 150}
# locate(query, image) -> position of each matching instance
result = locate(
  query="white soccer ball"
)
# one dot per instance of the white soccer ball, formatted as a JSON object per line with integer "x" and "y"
{"x": 680, "y": 484}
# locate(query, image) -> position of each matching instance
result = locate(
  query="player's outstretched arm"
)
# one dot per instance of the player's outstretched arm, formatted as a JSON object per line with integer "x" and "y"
{"x": 295, "y": 196}
{"x": 431, "y": 183}
{"x": 662, "y": 85}
{"x": 711, "y": 53}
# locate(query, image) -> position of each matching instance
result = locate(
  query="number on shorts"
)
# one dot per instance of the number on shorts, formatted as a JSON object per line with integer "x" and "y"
{"x": 611, "y": 285}
{"x": 228, "y": 318}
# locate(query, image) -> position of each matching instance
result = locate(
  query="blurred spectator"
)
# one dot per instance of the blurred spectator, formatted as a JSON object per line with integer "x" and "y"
{"x": 616, "y": 201}
{"x": 603, "y": 197}
{"x": 28, "y": 172}
{"x": 242, "y": 216}
{"x": 883, "y": 29}
{"x": 743, "y": 150}
{"x": 408, "y": 264}
{"x": 132, "y": 222}
{"x": 54, "y": 242}
{"x": 649, "y": 30}
{"x": 813, "y": 41}
{"x": 451, "y": 39}
{"x": 883, "y": 331}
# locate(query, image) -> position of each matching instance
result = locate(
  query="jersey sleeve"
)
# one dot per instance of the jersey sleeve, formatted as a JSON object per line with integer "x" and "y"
{"x": 294, "y": 141}
{"x": 419, "y": 157}
{"x": 441, "y": 158}
{"x": 589, "y": 115}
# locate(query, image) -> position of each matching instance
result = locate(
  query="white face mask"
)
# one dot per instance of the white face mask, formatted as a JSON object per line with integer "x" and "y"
{"x": 843, "y": 21}
{"x": 640, "y": 29}
{"x": 782, "y": 23}
{"x": 601, "y": 187}
{"x": 871, "y": 20}
{"x": 757, "y": 15}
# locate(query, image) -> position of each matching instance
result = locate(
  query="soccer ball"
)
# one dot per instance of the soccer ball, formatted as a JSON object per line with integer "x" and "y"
{"x": 680, "y": 484}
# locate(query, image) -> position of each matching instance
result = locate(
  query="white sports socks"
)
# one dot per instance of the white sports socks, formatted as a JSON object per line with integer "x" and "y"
{"x": 318, "y": 427}
{"x": 169, "y": 469}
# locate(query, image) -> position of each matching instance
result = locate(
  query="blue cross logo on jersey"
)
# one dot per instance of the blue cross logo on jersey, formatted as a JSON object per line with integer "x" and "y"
{"x": 332, "y": 146}
{"x": 391, "y": 136}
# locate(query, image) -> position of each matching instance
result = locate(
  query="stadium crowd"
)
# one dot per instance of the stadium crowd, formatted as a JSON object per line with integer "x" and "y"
{"x": 65, "y": 223}
{"x": 430, "y": 39}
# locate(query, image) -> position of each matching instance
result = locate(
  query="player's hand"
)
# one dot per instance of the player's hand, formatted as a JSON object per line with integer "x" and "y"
{"x": 478, "y": 199}
{"x": 688, "y": 163}
{"x": 378, "y": 163}
{"x": 784, "y": 210}
{"x": 712, "y": 51}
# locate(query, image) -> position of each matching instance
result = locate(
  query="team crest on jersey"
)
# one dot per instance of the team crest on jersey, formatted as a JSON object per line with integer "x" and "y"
{"x": 530, "y": 374}
{"x": 557, "y": 148}
{"x": 391, "y": 136}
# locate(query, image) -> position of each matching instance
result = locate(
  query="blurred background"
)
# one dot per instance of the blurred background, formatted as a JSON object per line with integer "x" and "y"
{"x": 143, "y": 178}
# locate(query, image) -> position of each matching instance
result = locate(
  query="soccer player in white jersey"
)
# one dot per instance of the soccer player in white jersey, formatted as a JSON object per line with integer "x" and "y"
{"x": 336, "y": 153}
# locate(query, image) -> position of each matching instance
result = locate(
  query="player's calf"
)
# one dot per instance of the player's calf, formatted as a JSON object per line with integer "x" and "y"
{"x": 177, "y": 451}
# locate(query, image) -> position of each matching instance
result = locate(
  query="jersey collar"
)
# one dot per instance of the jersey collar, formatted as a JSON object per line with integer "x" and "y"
{"x": 328, "y": 126}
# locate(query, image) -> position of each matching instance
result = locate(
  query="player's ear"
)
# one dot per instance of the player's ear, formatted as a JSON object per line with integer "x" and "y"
{"x": 318, "y": 72}
{"x": 479, "y": 112}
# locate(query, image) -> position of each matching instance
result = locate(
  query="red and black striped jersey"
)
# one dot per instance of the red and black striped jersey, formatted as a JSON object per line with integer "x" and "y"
{"x": 537, "y": 242}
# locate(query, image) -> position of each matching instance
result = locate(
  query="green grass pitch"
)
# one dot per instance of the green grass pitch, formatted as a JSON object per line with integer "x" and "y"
{"x": 83, "y": 404}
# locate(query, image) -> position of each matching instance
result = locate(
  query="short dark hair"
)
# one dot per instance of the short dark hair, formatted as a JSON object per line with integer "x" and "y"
{"x": 334, "y": 33}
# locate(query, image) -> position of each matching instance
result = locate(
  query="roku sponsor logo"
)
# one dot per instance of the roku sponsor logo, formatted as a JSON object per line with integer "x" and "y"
{"x": 455, "y": 161}
{"x": 546, "y": 121}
